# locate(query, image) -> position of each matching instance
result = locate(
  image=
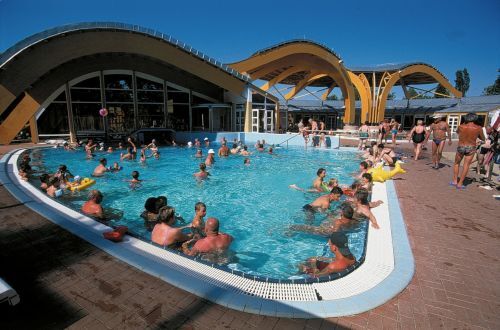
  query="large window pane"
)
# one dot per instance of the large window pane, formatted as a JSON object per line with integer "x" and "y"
{"x": 120, "y": 117}
{"x": 150, "y": 97}
{"x": 89, "y": 83}
{"x": 179, "y": 119}
{"x": 148, "y": 85}
{"x": 61, "y": 97}
{"x": 178, "y": 97}
{"x": 54, "y": 120}
{"x": 119, "y": 96}
{"x": 87, "y": 117}
{"x": 85, "y": 95}
{"x": 118, "y": 81}
{"x": 151, "y": 115}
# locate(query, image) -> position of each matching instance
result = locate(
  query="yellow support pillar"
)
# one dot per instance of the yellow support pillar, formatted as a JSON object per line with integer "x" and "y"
{"x": 34, "y": 130}
{"x": 21, "y": 114}
{"x": 248, "y": 111}
{"x": 6, "y": 98}
{"x": 277, "y": 115}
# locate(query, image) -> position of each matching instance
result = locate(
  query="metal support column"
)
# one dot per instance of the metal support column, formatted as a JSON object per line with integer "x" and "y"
{"x": 71, "y": 123}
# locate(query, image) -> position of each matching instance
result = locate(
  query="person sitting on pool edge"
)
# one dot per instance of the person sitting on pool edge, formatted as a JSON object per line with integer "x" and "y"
{"x": 164, "y": 233}
{"x": 203, "y": 173}
{"x": 213, "y": 242}
{"x": 343, "y": 258}
{"x": 322, "y": 203}
{"x": 92, "y": 206}
{"x": 362, "y": 207}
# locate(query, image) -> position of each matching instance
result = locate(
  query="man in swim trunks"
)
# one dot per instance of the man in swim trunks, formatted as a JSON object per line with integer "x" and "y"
{"x": 213, "y": 242}
{"x": 363, "y": 135}
{"x": 101, "y": 168}
{"x": 93, "y": 206}
{"x": 322, "y": 203}
{"x": 440, "y": 130}
{"x": 223, "y": 150}
{"x": 343, "y": 258}
{"x": 468, "y": 133}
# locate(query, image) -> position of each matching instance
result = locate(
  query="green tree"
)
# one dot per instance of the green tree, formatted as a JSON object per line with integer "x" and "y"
{"x": 441, "y": 90}
{"x": 391, "y": 96}
{"x": 332, "y": 97}
{"x": 493, "y": 89}
{"x": 462, "y": 81}
{"x": 412, "y": 93}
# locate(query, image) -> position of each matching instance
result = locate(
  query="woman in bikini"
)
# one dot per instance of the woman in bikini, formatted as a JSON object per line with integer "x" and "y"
{"x": 418, "y": 135}
{"x": 394, "y": 130}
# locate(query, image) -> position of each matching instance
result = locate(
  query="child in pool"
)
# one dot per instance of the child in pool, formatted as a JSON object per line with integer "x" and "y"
{"x": 115, "y": 167}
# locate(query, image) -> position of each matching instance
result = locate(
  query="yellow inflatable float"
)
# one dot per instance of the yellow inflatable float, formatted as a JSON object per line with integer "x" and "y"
{"x": 379, "y": 175}
{"x": 84, "y": 184}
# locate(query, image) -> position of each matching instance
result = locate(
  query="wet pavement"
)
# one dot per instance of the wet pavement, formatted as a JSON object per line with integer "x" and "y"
{"x": 64, "y": 281}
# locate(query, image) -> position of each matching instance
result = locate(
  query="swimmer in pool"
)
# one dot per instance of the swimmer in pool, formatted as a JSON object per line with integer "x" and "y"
{"x": 199, "y": 153}
{"x": 327, "y": 228}
{"x": 203, "y": 173}
{"x": 135, "y": 182}
{"x": 115, "y": 168}
{"x": 198, "y": 224}
{"x": 210, "y": 160}
{"x": 93, "y": 206}
{"x": 322, "y": 203}
{"x": 318, "y": 266}
{"x": 214, "y": 242}
{"x": 101, "y": 168}
{"x": 317, "y": 185}
{"x": 244, "y": 152}
{"x": 234, "y": 150}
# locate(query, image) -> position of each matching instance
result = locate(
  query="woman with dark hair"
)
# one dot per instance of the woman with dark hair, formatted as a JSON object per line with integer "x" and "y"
{"x": 362, "y": 206}
{"x": 468, "y": 133}
{"x": 418, "y": 135}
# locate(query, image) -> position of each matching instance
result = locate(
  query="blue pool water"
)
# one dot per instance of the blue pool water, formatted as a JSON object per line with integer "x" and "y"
{"x": 253, "y": 203}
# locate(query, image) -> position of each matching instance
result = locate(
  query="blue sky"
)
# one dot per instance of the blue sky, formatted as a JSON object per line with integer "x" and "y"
{"x": 450, "y": 35}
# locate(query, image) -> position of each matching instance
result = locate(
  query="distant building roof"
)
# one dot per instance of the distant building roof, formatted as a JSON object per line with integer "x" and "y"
{"x": 467, "y": 104}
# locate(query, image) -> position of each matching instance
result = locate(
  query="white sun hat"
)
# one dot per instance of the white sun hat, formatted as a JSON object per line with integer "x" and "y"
{"x": 211, "y": 151}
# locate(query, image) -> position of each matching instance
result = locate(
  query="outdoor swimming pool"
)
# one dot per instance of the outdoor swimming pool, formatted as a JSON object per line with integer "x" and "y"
{"x": 253, "y": 203}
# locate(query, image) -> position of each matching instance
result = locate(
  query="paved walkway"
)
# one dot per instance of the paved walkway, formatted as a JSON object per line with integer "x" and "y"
{"x": 66, "y": 282}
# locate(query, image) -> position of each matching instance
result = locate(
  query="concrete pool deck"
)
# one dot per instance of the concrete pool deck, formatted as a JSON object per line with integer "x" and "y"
{"x": 65, "y": 281}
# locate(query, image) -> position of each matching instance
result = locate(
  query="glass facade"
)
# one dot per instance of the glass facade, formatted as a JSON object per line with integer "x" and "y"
{"x": 133, "y": 100}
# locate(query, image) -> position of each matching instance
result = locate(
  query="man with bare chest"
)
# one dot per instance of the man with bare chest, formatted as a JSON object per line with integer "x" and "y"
{"x": 440, "y": 131}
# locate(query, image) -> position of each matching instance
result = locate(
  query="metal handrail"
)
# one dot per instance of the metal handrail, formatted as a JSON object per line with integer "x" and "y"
{"x": 294, "y": 135}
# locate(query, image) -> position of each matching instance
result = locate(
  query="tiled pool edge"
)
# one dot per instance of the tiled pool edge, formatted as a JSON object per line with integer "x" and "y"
{"x": 384, "y": 291}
